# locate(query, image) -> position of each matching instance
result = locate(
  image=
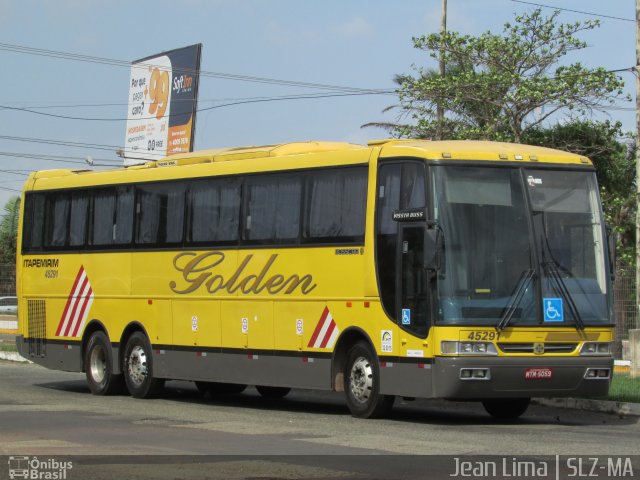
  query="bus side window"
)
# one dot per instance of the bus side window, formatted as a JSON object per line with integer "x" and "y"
{"x": 104, "y": 207}
{"x": 337, "y": 202}
{"x": 34, "y": 223}
{"x": 112, "y": 216}
{"x": 56, "y": 220}
{"x": 78, "y": 219}
{"x": 273, "y": 208}
{"x": 123, "y": 228}
{"x": 215, "y": 211}
{"x": 160, "y": 214}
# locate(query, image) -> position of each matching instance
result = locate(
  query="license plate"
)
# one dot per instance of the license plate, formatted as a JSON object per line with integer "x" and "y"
{"x": 538, "y": 373}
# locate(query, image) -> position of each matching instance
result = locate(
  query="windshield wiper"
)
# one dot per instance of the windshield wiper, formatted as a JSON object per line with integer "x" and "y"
{"x": 552, "y": 271}
{"x": 516, "y": 298}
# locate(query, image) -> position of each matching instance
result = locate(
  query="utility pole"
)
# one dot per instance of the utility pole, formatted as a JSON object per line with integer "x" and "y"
{"x": 443, "y": 30}
{"x": 637, "y": 75}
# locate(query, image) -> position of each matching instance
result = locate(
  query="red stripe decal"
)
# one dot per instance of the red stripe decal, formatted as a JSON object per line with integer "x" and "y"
{"x": 76, "y": 302}
{"x": 327, "y": 335}
{"x": 316, "y": 332}
{"x": 69, "y": 300}
{"x": 87, "y": 300}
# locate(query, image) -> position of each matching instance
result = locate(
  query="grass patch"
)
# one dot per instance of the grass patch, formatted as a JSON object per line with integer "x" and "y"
{"x": 624, "y": 388}
{"x": 8, "y": 347}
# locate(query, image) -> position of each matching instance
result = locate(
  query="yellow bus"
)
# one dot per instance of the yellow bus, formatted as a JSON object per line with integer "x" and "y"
{"x": 460, "y": 270}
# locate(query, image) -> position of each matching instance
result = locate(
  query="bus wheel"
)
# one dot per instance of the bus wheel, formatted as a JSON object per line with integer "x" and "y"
{"x": 362, "y": 384}
{"x": 138, "y": 368}
{"x": 506, "y": 408}
{"x": 272, "y": 392}
{"x": 98, "y": 365}
{"x": 219, "y": 388}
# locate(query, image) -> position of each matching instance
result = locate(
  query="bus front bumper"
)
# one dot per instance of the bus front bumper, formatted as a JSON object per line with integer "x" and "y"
{"x": 511, "y": 377}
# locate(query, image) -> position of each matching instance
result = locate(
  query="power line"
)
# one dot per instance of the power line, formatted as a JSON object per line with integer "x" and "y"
{"x": 236, "y": 100}
{"x": 19, "y": 182}
{"x": 261, "y": 100}
{"x": 11, "y": 172}
{"x": 68, "y": 143}
{"x": 269, "y": 99}
{"x": 53, "y": 158}
{"x": 575, "y": 11}
{"x": 203, "y": 73}
{"x": 121, "y": 104}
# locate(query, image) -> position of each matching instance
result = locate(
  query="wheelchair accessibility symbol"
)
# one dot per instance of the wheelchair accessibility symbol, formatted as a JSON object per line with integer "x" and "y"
{"x": 553, "y": 310}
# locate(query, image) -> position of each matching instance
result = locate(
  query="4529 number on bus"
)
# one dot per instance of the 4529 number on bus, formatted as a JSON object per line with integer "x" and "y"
{"x": 484, "y": 335}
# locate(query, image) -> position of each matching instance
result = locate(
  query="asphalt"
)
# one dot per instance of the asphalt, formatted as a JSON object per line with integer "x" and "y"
{"x": 592, "y": 405}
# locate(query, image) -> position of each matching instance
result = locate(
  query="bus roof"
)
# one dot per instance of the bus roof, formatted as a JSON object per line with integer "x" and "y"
{"x": 239, "y": 153}
{"x": 476, "y": 150}
{"x": 288, "y": 156}
{"x": 427, "y": 149}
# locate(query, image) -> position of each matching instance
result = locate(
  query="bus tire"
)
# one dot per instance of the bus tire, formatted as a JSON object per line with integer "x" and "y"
{"x": 272, "y": 392}
{"x": 98, "y": 365}
{"x": 362, "y": 384}
{"x": 138, "y": 368}
{"x": 219, "y": 388}
{"x": 506, "y": 408}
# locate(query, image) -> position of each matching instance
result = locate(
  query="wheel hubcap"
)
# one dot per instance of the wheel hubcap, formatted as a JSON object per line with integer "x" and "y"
{"x": 98, "y": 364}
{"x": 137, "y": 365}
{"x": 361, "y": 379}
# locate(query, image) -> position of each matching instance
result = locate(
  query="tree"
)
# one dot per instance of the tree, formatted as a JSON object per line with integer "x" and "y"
{"x": 500, "y": 86}
{"x": 9, "y": 230}
{"x": 613, "y": 155}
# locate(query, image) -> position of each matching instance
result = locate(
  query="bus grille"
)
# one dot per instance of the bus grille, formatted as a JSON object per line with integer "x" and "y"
{"x": 37, "y": 322}
{"x": 528, "y": 347}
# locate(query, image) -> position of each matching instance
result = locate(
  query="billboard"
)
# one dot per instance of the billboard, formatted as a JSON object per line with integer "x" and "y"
{"x": 163, "y": 94}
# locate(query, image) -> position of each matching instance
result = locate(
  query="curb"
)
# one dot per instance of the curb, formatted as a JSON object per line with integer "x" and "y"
{"x": 13, "y": 357}
{"x": 604, "y": 406}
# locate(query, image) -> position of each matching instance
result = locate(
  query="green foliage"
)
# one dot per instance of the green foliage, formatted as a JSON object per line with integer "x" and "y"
{"x": 614, "y": 159}
{"x": 506, "y": 87}
{"x": 9, "y": 230}
{"x": 498, "y": 87}
{"x": 624, "y": 389}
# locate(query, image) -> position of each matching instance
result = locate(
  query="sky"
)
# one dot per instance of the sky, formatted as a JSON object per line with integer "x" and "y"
{"x": 349, "y": 43}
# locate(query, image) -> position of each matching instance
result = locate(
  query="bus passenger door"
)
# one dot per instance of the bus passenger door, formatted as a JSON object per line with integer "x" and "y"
{"x": 412, "y": 280}
{"x": 402, "y": 279}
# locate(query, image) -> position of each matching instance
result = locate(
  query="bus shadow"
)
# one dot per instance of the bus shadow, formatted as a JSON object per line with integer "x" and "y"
{"x": 72, "y": 386}
{"x": 326, "y": 403}
{"x": 421, "y": 411}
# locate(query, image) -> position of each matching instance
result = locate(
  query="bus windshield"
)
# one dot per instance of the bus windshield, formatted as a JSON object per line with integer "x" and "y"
{"x": 550, "y": 270}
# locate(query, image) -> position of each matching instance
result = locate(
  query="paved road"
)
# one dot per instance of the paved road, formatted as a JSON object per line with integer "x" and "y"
{"x": 45, "y": 412}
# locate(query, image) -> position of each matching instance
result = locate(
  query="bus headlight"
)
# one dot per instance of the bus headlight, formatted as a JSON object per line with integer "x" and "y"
{"x": 448, "y": 347}
{"x": 596, "y": 348}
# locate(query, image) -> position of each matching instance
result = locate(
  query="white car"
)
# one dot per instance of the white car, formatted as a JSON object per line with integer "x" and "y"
{"x": 8, "y": 305}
